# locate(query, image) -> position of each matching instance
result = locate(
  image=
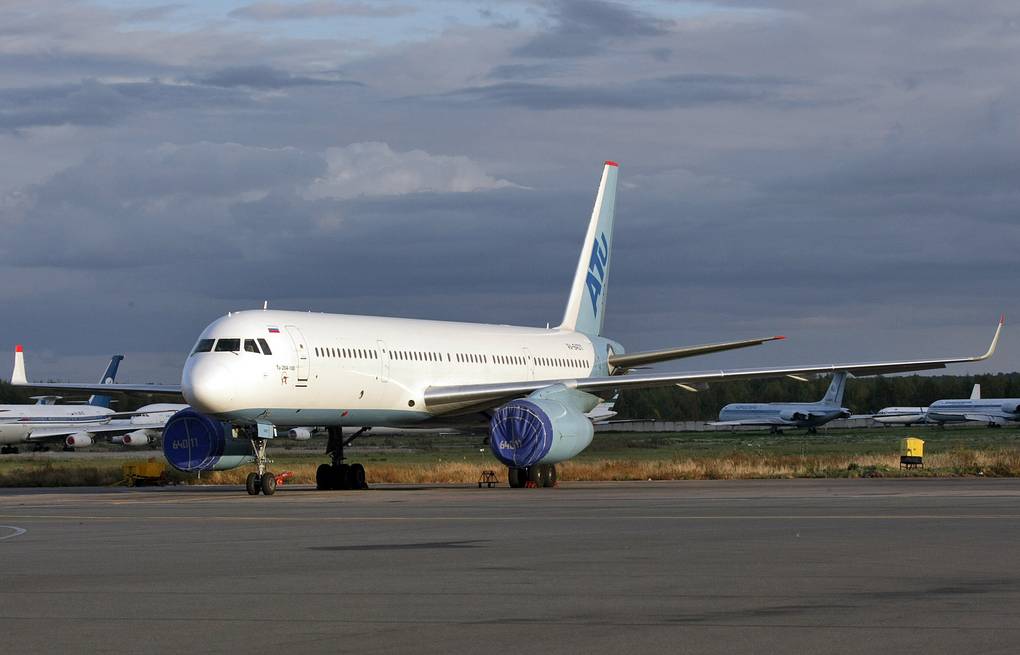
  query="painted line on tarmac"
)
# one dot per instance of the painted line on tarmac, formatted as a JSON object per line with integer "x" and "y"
{"x": 17, "y": 532}
{"x": 494, "y": 519}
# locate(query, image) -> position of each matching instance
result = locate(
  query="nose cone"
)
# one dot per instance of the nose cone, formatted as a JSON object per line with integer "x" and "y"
{"x": 207, "y": 385}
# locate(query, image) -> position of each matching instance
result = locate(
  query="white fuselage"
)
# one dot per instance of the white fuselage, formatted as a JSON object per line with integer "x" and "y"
{"x": 18, "y": 422}
{"x": 901, "y": 415}
{"x": 333, "y": 369}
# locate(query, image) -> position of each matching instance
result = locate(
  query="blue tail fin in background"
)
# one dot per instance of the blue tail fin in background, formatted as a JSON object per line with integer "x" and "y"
{"x": 108, "y": 378}
{"x": 836, "y": 388}
{"x": 586, "y": 307}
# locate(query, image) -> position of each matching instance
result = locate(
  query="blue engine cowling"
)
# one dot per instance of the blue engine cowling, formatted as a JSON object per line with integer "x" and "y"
{"x": 195, "y": 442}
{"x": 533, "y": 431}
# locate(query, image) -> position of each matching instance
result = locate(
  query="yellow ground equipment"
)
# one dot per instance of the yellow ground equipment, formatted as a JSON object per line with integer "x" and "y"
{"x": 137, "y": 474}
{"x": 911, "y": 453}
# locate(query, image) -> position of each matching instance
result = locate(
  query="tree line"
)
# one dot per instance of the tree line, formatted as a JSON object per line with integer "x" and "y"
{"x": 863, "y": 395}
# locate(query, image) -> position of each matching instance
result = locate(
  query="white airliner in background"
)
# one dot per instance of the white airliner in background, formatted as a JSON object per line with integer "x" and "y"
{"x": 912, "y": 415}
{"x": 252, "y": 372}
{"x": 78, "y": 426}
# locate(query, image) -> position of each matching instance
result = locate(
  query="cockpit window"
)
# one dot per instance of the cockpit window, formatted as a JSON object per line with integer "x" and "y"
{"x": 228, "y": 345}
{"x": 251, "y": 347}
{"x": 265, "y": 347}
{"x": 204, "y": 346}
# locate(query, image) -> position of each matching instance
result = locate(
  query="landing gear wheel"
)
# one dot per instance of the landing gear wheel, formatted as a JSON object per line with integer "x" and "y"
{"x": 324, "y": 477}
{"x": 538, "y": 475}
{"x": 253, "y": 484}
{"x": 341, "y": 476}
{"x": 268, "y": 484}
{"x": 357, "y": 477}
{"x": 550, "y": 479}
{"x": 515, "y": 477}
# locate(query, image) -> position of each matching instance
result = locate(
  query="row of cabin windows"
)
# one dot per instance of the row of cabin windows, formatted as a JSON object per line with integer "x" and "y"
{"x": 348, "y": 353}
{"x": 257, "y": 346}
{"x": 462, "y": 358}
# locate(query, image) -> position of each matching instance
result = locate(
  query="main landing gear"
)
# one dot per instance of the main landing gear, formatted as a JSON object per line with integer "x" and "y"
{"x": 262, "y": 480}
{"x": 539, "y": 475}
{"x": 337, "y": 474}
{"x": 9, "y": 450}
{"x": 774, "y": 430}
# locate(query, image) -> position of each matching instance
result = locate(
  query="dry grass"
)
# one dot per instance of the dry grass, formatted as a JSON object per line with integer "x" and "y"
{"x": 738, "y": 465}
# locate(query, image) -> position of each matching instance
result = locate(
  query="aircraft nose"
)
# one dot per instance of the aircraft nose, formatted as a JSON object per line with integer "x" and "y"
{"x": 207, "y": 385}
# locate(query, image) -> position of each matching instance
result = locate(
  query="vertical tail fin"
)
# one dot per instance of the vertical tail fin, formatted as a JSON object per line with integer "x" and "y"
{"x": 836, "y": 388}
{"x": 108, "y": 377}
{"x": 587, "y": 303}
{"x": 18, "y": 375}
{"x": 975, "y": 393}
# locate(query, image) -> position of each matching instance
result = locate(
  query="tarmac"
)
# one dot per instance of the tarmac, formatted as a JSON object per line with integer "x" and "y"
{"x": 778, "y": 566}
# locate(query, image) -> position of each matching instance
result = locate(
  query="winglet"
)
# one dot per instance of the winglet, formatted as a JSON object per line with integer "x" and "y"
{"x": 18, "y": 376}
{"x": 995, "y": 340}
{"x": 777, "y": 338}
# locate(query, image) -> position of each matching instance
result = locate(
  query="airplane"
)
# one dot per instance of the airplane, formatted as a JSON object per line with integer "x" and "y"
{"x": 995, "y": 412}
{"x": 777, "y": 416}
{"x": 45, "y": 421}
{"x": 78, "y": 426}
{"x": 254, "y": 372}
{"x": 911, "y": 415}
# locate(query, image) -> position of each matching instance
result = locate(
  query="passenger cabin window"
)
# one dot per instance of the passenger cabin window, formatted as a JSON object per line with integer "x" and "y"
{"x": 228, "y": 345}
{"x": 265, "y": 347}
{"x": 251, "y": 347}
{"x": 204, "y": 346}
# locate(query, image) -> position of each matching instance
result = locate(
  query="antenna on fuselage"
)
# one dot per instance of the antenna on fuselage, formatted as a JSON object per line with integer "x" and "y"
{"x": 265, "y": 305}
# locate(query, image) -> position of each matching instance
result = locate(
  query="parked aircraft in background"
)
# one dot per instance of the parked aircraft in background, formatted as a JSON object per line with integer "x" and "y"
{"x": 911, "y": 415}
{"x": 79, "y": 426}
{"x": 252, "y": 372}
{"x": 777, "y": 416}
{"x": 46, "y": 422}
{"x": 995, "y": 412}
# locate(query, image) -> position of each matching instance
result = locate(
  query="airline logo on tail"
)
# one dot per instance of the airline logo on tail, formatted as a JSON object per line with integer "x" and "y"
{"x": 597, "y": 265}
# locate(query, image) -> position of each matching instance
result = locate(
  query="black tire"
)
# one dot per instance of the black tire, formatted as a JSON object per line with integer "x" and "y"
{"x": 357, "y": 477}
{"x": 324, "y": 477}
{"x": 268, "y": 484}
{"x": 340, "y": 476}
{"x": 550, "y": 476}
{"x": 15, "y": 450}
{"x": 253, "y": 484}
{"x": 537, "y": 474}
{"x": 515, "y": 477}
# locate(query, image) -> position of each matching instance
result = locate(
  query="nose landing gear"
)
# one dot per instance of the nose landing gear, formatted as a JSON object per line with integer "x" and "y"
{"x": 261, "y": 480}
{"x": 337, "y": 474}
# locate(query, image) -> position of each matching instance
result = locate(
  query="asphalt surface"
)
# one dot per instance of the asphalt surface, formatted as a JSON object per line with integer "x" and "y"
{"x": 808, "y": 566}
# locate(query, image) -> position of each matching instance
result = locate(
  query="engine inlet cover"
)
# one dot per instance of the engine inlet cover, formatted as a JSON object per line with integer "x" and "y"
{"x": 521, "y": 433}
{"x": 194, "y": 442}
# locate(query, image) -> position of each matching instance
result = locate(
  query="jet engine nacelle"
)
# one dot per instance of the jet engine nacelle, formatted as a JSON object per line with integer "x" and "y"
{"x": 1011, "y": 408}
{"x": 79, "y": 440}
{"x": 136, "y": 438}
{"x": 299, "y": 434}
{"x": 196, "y": 442}
{"x": 526, "y": 432}
{"x": 788, "y": 415}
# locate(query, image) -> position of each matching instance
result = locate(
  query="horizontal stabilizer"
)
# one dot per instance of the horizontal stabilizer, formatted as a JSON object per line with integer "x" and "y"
{"x": 632, "y": 360}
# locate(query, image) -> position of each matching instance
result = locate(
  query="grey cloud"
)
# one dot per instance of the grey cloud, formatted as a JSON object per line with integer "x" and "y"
{"x": 266, "y": 77}
{"x": 152, "y": 14}
{"x": 520, "y": 71}
{"x": 273, "y": 11}
{"x": 649, "y": 94}
{"x": 584, "y": 27}
{"x": 91, "y": 102}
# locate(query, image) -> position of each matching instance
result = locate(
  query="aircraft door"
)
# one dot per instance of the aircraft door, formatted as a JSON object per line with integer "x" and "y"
{"x": 529, "y": 363}
{"x": 384, "y": 361}
{"x": 301, "y": 350}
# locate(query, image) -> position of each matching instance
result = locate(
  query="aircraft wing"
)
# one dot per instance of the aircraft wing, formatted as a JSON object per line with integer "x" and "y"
{"x": 631, "y": 360}
{"x": 985, "y": 418}
{"x": 766, "y": 421}
{"x": 446, "y": 399}
{"x": 107, "y": 429}
{"x": 163, "y": 392}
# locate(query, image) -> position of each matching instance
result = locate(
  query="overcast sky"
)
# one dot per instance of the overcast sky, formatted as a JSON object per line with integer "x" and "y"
{"x": 846, "y": 174}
